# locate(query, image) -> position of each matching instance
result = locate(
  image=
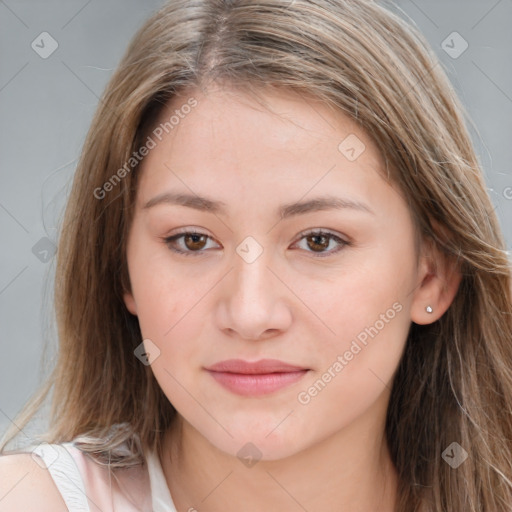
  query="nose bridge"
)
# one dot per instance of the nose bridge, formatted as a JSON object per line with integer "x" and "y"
{"x": 252, "y": 300}
{"x": 251, "y": 274}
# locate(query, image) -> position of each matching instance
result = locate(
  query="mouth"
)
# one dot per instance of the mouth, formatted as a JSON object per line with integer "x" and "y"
{"x": 255, "y": 378}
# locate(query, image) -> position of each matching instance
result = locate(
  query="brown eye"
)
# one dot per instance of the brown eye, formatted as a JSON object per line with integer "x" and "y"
{"x": 318, "y": 242}
{"x": 192, "y": 243}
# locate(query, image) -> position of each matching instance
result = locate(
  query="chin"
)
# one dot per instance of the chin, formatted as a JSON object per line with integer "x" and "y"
{"x": 263, "y": 443}
{"x": 257, "y": 447}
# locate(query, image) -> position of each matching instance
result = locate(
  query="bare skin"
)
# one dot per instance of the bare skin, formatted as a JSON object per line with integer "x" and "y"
{"x": 304, "y": 300}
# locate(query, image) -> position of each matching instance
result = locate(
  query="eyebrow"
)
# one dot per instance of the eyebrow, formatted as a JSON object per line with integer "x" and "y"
{"x": 284, "y": 211}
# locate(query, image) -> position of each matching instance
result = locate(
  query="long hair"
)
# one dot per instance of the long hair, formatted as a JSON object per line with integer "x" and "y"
{"x": 454, "y": 381}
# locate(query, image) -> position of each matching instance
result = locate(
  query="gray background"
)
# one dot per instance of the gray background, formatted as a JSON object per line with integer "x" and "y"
{"x": 46, "y": 106}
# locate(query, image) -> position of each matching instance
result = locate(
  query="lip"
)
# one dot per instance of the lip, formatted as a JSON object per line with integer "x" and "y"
{"x": 255, "y": 378}
{"x": 263, "y": 366}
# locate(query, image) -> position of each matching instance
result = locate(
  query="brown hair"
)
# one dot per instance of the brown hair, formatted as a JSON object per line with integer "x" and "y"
{"x": 454, "y": 381}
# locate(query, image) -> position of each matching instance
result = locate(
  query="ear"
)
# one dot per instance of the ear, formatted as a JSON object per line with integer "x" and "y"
{"x": 130, "y": 303}
{"x": 439, "y": 277}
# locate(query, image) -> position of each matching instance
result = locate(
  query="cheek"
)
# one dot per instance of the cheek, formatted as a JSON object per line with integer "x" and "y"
{"x": 367, "y": 312}
{"x": 162, "y": 293}
{"x": 357, "y": 298}
{"x": 169, "y": 317}
{"x": 171, "y": 312}
{"x": 357, "y": 367}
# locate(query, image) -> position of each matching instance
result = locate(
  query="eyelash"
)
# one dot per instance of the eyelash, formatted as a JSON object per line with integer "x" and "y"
{"x": 304, "y": 234}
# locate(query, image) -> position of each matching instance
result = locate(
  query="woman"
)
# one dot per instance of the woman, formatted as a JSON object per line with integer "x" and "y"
{"x": 280, "y": 279}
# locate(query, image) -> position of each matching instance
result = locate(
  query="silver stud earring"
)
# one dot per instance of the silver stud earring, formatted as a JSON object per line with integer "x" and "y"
{"x": 429, "y": 309}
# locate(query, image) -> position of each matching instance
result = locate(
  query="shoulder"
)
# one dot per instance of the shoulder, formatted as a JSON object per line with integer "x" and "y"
{"x": 26, "y": 484}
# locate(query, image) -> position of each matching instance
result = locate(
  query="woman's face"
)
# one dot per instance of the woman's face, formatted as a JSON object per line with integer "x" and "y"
{"x": 255, "y": 283}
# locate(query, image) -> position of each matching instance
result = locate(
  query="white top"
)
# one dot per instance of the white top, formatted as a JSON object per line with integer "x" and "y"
{"x": 161, "y": 500}
{"x": 80, "y": 481}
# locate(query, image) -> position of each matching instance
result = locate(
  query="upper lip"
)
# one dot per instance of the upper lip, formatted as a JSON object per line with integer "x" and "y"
{"x": 262, "y": 366}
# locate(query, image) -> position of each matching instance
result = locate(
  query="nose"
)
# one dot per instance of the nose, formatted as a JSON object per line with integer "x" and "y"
{"x": 254, "y": 303}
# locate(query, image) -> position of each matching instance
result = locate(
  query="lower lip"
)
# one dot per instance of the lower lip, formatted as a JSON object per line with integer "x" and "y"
{"x": 256, "y": 384}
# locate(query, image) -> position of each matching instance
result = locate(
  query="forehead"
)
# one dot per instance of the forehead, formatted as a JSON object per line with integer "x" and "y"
{"x": 227, "y": 133}
{"x": 278, "y": 114}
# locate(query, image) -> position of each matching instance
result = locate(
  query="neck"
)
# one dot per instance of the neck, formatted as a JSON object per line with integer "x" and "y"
{"x": 350, "y": 470}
